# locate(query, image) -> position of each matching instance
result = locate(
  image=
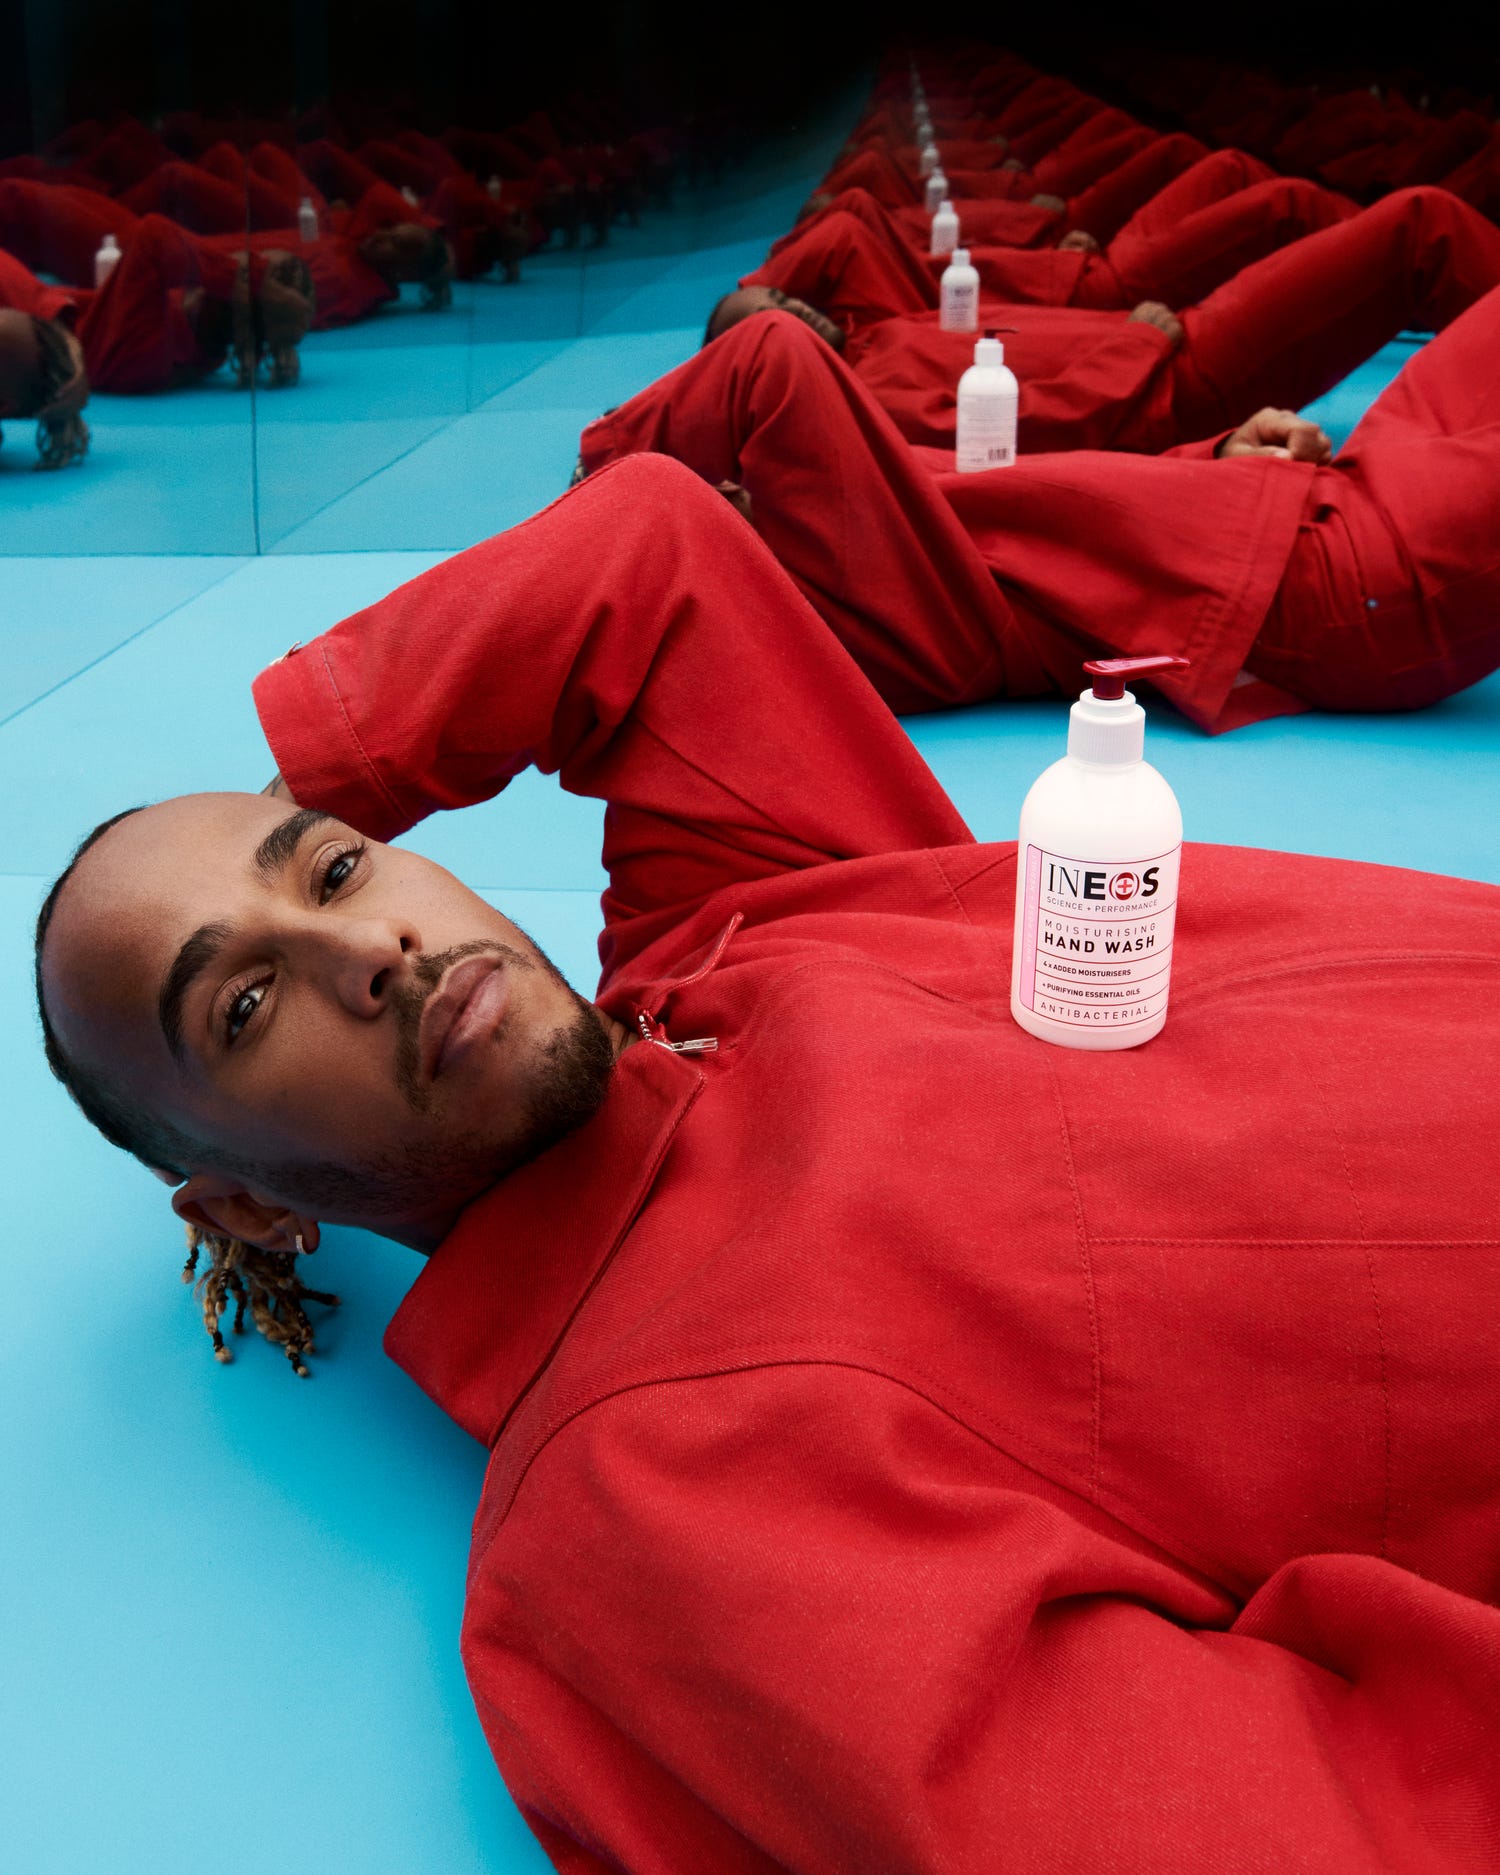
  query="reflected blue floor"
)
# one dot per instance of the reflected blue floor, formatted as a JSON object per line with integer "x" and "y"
{"x": 208, "y": 1569}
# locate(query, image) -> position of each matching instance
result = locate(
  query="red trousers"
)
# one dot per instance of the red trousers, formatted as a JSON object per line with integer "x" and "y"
{"x": 1062, "y": 557}
{"x": 279, "y": 168}
{"x": 1156, "y": 197}
{"x": 135, "y": 332}
{"x": 58, "y": 229}
{"x": 206, "y": 204}
{"x": 486, "y": 155}
{"x": 346, "y": 287}
{"x": 1282, "y": 331}
{"x": 1086, "y": 158}
{"x": 475, "y": 223}
{"x": 1001, "y": 224}
{"x": 1392, "y": 596}
{"x": 340, "y": 176}
{"x": 21, "y": 291}
{"x": 404, "y": 168}
{"x": 1104, "y": 208}
{"x": 859, "y": 270}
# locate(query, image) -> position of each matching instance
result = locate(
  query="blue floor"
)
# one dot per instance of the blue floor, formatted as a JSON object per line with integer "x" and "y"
{"x": 207, "y": 1572}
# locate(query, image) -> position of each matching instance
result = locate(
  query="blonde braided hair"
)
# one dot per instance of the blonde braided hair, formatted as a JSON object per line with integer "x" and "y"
{"x": 263, "y": 1281}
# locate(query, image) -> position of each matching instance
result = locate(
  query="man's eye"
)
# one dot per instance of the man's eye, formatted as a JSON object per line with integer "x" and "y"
{"x": 242, "y": 1009}
{"x": 339, "y": 871}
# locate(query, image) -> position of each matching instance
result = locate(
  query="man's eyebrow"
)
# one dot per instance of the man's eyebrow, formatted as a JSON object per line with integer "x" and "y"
{"x": 274, "y": 854}
{"x": 194, "y": 957}
{"x": 270, "y": 859}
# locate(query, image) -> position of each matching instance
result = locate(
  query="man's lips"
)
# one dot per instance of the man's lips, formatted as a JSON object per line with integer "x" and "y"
{"x": 464, "y": 1010}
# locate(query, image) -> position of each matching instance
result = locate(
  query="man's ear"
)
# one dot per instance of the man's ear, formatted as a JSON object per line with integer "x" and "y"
{"x": 216, "y": 1202}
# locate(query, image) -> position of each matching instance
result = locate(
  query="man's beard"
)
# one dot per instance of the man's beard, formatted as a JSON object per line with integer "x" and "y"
{"x": 566, "y": 1087}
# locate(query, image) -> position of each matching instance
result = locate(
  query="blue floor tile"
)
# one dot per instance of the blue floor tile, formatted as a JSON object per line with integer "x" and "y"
{"x": 599, "y": 372}
{"x": 306, "y": 466}
{"x": 474, "y": 477}
{"x": 65, "y": 613}
{"x": 162, "y": 487}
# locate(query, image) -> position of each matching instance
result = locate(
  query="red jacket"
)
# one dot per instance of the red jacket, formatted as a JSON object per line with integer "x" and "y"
{"x": 915, "y": 1447}
{"x": 1088, "y": 380}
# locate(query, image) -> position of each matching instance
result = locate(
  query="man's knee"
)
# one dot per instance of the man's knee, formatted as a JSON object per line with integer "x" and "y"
{"x": 775, "y": 344}
{"x": 153, "y": 235}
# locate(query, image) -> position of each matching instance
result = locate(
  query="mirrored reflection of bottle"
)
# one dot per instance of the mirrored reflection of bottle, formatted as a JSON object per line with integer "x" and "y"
{"x": 492, "y": 188}
{"x": 944, "y": 230}
{"x": 106, "y": 260}
{"x": 988, "y": 396}
{"x": 929, "y": 160}
{"x": 307, "y": 219}
{"x": 958, "y": 294}
{"x": 937, "y": 191}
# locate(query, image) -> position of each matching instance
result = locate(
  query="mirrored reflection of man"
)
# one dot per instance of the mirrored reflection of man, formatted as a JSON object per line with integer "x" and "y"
{"x": 42, "y": 369}
{"x": 1290, "y": 581}
{"x": 177, "y": 306}
{"x": 1282, "y": 331}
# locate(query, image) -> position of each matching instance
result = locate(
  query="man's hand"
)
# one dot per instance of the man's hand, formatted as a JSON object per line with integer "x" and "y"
{"x": 1012, "y": 162}
{"x": 1280, "y": 433}
{"x": 1054, "y": 202}
{"x": 738, "y": 498}
{"x": 1151, "y": 312}
{"x": 1079, "y": 240}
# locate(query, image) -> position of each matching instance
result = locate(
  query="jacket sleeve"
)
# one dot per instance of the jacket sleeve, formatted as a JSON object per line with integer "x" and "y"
{"x": 797, "y": 1618}
{"x": 639, "y": 640}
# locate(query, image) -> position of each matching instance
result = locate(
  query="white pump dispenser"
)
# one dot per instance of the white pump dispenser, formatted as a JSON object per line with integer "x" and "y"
{"x": 958, "y": 294}
{"x": 937, "y": 191}
{"x": 106, "y": 259}
{"x": 930, "y": 159}
{"x": 307, "y": 219}
{"x": 1096, "y": 877}
{"x": 988, "y": 398}
{"x": 944, "y": 229}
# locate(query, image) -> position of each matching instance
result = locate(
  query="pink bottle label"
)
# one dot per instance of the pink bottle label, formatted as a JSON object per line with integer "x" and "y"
{"x": 1096, "y": 937}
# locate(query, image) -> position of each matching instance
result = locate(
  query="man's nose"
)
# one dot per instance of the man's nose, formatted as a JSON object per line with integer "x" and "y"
{"x": 369, "y": 959}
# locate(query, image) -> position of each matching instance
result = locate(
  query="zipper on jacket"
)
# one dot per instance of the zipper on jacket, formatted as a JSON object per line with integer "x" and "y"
{"x": 652, "y": 1028}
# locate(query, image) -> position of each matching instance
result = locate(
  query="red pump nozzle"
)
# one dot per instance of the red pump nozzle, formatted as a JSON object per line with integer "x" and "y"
{"x": 1109, "y": 674}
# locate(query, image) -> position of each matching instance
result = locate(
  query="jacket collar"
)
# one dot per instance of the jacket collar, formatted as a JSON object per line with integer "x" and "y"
{"x": 496, "y": 1297}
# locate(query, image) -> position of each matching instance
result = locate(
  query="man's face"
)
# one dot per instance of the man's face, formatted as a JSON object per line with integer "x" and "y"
{"x": 749, "y": 300}
{"x": 344, "y": 1014}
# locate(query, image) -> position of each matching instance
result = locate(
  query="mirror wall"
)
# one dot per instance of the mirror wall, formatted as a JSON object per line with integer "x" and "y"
{"x": 316, "y": 269}
{"x": 287, "y": 258}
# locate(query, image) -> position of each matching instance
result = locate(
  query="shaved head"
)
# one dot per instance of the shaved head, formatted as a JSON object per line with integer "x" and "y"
{"x": 746, "y": 301}
{"x": 254, "y": 989}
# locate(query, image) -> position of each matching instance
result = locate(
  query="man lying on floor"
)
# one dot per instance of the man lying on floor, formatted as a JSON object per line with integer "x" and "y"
{"x": 1367, "y": 583}
{"x": 1283, "y": 330}
{"x": 912, "y": 1444}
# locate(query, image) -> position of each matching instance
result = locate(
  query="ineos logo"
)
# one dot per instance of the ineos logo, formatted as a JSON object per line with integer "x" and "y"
{"x": 1123, "y": 885}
